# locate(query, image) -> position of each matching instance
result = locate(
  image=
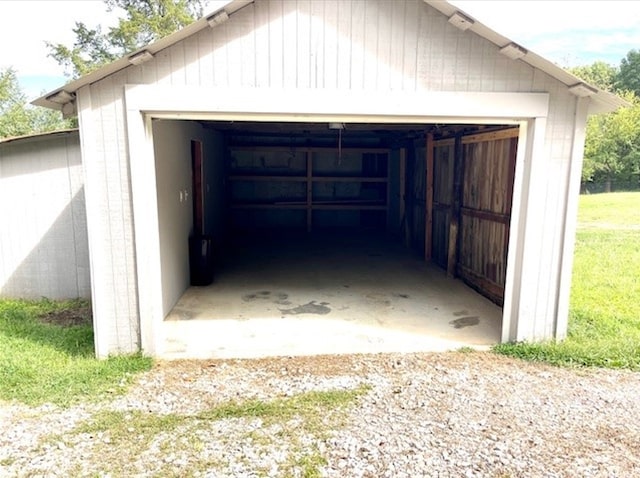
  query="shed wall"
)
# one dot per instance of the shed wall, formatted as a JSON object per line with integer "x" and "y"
{"x": 375, "y": 45}
{"x": 43, "y": 238}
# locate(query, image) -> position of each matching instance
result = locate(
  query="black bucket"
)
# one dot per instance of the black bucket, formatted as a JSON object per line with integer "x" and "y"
{"x": 201, "y": 260}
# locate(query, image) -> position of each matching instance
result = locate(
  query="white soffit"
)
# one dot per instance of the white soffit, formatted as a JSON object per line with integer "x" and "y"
{"x": 601, "y": 101}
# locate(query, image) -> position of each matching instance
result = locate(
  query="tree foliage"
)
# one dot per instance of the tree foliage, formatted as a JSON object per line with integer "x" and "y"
{"x": 14, "y": 118}
{"x": 628, "y": 78}
{"x": 17, "y": 118}
{"x": 599, "y": 73}
{"x": 612, "y": 147}
{"x": 144, "y": 21}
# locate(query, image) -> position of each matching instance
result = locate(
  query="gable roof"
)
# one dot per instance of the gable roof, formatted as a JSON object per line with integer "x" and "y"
{"x": 601, "y": 101}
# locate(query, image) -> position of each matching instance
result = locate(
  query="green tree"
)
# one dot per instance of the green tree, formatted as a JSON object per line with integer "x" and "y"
{"x": 612, "y": 146}
{"x": 599, "y": 73}
{"x": 628, "y": 78}
{"x": 145, "y": 21}
{"x": 14, "y": 118}
{"x": 17, "y": 117}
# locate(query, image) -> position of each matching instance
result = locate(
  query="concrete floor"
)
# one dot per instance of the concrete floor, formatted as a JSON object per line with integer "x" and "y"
{"x": 326, "y": 295}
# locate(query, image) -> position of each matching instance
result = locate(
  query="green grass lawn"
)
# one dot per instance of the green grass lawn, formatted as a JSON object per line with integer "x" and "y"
{"x": 54, "y": 362}
{"x": 613, "y": 210}
{"x": 604, "y": 318}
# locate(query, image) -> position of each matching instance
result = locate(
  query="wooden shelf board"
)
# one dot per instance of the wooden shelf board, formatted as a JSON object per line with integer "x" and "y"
{"x": 307, "y": 149}
{"x": 353, "y": 207}
{"x": 318, "y": 179}
{"x": 259, "y": 177}
{"x": 269, "y": 206}
{"x": 362, "y": 207}
{"x": 348, "y": 179}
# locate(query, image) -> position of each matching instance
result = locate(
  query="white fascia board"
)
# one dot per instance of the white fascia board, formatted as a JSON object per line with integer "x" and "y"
{"x": 303, "y": 105}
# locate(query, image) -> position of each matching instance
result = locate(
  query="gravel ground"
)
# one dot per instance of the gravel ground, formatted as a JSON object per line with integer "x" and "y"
{"x": 456, "y": 414}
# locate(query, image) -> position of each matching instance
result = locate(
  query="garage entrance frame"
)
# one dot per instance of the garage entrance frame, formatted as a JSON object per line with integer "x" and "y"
{"x": 144, "y": 103}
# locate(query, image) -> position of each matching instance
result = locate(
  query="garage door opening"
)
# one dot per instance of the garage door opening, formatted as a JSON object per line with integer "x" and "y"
{"x": 334, "y": 237}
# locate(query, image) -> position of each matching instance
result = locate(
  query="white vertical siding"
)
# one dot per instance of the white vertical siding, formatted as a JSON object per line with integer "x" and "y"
{"x": 333, "y": 44}
{"x": 111, "y": 219}
{"x": 43, "y": 240}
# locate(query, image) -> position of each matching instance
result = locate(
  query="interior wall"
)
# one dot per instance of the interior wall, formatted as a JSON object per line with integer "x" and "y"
{"x": 172, "y": 148}
{"x": 393, "y": 217}
{"x": 416, "y": 165}
{"x": 307, "y": 188}
{"x": 215, "y": 197}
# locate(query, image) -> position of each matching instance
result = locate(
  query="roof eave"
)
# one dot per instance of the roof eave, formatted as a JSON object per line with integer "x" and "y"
{"x": 601, "y": 101}
{"x": 36, "y": 136}
{"x": 230, "y": 7}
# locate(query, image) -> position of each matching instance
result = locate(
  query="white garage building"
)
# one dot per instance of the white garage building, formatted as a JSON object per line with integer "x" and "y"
{"x": 328, "y": 134}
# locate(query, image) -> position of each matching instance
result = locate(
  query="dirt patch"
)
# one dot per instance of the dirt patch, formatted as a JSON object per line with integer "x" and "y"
{"x": 71, "y": 317}
{"x": 174, "y": 372}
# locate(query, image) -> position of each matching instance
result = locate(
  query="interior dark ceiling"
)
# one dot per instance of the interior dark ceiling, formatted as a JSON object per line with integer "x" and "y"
{"x": 351, "y": 134}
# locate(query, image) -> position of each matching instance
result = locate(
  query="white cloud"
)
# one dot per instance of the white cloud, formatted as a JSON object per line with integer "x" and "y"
{"x": 566, "y": 32}
{"x": 26, "y": 26}
{"x": 546, "y": 16}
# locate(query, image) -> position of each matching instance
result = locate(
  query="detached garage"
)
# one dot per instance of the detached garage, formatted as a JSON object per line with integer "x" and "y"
{"x": 364, "y": 176}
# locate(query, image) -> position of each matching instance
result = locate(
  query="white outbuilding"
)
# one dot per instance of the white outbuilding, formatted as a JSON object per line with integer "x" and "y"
{"x": 390, "y": 163}
{"x": 43, "y": 228}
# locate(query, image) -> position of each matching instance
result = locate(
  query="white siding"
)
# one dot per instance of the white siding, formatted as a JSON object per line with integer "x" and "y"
{"x": 374, "y": 45}
{"x": 43, "y": 239}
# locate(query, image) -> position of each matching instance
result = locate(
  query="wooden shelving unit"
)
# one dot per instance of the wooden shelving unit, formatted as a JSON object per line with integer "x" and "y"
{"x": 300, "y": 169}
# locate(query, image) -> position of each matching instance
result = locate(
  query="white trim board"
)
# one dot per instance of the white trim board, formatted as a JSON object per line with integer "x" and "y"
{"x": 144, "y": 102}
{"x": 301, "y": 104}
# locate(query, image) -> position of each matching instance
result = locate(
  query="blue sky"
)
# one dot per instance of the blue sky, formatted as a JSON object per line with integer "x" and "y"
{"x": 567, "y": 32}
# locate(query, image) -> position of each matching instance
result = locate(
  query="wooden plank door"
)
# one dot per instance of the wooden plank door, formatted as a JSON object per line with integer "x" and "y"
{"x": 485, "y": 210}
{"x": 442, "y": 200}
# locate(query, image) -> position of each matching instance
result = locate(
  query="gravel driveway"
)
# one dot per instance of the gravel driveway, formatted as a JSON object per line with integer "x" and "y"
{"x": 455, "y": 414}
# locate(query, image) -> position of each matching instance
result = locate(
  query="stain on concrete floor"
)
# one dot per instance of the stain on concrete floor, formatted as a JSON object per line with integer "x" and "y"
{"x": 309, "y": 308}
{"x": 463, "y": 322}
{"x": 279, "y": 298}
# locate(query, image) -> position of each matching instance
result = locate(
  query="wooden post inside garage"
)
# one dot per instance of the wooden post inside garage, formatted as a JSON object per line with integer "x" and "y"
{"x": 454, "y": 224}
{"x": 428, "y": 223}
